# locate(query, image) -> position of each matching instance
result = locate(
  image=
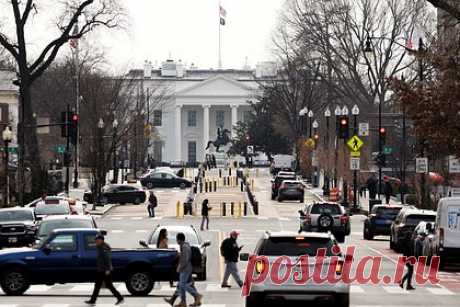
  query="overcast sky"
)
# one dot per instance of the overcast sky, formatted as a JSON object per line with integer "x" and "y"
{"x": 188, "y": 30}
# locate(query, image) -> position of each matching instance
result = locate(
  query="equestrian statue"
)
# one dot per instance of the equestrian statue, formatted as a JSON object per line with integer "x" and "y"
{"x": 223, "y": 139}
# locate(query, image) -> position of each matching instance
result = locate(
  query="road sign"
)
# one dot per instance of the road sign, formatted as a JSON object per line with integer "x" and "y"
{"x": 310, "y": 143}
{"x": 355, "y": 153}
{"x": 13, "y": 150}
{"x": 454, "y": 165}
{"x": 363, "y": 129}
{"x": 421, "y": 165}
{"x": 355, "y": 143}
{"x": 354, "y": 164}
{"x": 60, "y": 149}
{"x": 250, "y": 150}
{"x": 387, "y": 150}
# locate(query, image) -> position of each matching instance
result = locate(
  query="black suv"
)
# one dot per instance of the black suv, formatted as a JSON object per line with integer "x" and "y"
{"x": 17, "y": 227}
{"x": 276, "y": 182}
{"x": 379, "y": 221}
{"x": 404, "y": 224}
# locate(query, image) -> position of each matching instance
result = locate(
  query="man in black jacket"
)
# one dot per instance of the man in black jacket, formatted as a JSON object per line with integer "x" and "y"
{"x": 104, "y": 271}
{"x": 230, "y": 251}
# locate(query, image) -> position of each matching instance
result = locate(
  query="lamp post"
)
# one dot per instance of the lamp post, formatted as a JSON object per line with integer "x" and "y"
{"x": 326, "y": 186}
{"x": 115, "y": 163}
{"x": 302, "y": 114}
{"x": 337, "y": 112}
{"x": 345, "y": 112}
{"x": 355, "y": 112}
{"x": 100, "y": 126}
{"x": 310, "y": 117}
{"x": 7, "y": 137}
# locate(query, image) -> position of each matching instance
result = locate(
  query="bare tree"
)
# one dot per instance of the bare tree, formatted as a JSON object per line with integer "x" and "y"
{"x": 89, "y": 13}
{"x": 448, "y": 6}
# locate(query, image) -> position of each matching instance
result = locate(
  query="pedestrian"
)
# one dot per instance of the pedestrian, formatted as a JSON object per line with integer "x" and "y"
{"x": 162, "y": 242}
{"x": 410, "y": 262}
{"x": 371, "y": 185}
{"x": 153, "y": 203}
{"x": 176, "y": 293}
{"x": 230, "y": 250}
{"x": 104, "y": 271}
{"x": 388, "y": 190}
{"x": 185, "y": 269}
{"x": 205, "y": 214}
{"x": 188, "y": 204}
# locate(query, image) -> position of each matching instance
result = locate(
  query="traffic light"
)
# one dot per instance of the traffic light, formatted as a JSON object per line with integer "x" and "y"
{"x": 380, "y": 160}
{"x": 382, "y": 135}
{"x": 343, "y": 127}
{"x": 73, "y": 128}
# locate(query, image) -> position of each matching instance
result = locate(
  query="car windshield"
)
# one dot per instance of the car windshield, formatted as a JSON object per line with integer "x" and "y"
{"x": 190, "y": 237}
{"x": 46, "y": 209}
{"x": 46, "y": 227}
{"x": 326, "y": 209}
{"x": 293, "y": 185}
{"x": 417, "y": 218}
{"x": 16, "y": 215}
{"x": 281, "y": 179}
{"x": 391, "y": 212}
{"x": 295, "y": 246}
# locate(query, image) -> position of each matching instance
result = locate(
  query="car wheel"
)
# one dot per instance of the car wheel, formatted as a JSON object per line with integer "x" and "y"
{"x": 253, "y": 301}
{"x": 280, "y": 200}
{"x": 367, "y": 234}
{"x": 273, "y": 197}
{"x": 325, "y": 222}
{"x": 149, "y": 185}
{"x": 182, "y": 186}
{"x": 139, "y": 283}
{"x": 343, "y": 300}
{"x": 137, "y": 201}
{"x": 340, "y": 238}
{"x": 14, "y": 281}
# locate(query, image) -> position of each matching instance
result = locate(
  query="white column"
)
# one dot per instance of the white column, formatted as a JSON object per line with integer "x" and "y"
{"x": 234, "y": 118}
{"x": 178, "y": 128}
{"x": 205, "y": 126}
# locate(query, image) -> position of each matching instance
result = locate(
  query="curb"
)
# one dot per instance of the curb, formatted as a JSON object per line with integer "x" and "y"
{"x": 106, "y": 210}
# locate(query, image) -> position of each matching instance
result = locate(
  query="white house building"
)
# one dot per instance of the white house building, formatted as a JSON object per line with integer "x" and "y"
{"x": 8, "y": 103}
{"x": 199, "y": 102}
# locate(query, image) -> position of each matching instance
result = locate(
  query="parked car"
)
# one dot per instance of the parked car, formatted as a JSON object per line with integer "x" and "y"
{"x": 119, "y": 194}
{"x": 293, "y": 245}
{"x": 276, "y": 182}
{"x": 404, "y": 224}
{"x": 164, "y": 179}
{"x": 69, "y": 256}
{"x": 445, "y": 242}
{"x": 379, "y": 220}
{"x": 323, "y": 217}
{"x": 51, "y": 223}
{"x": 191, "y": 236}
{"x": 52, "y": 206}
{"x": 291, "y": 190}
{"x": 17, "y": 227}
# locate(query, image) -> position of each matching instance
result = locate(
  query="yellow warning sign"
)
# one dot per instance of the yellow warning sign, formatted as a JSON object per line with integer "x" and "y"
{"x": 355, "y": 143}
{"x": 310, "y": 143}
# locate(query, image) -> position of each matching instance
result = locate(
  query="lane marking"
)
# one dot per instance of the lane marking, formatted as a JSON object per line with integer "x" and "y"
{"x": 116, "y": 218}
{"x": 284, "y": 219}
{"x": 141, "y": 231}
{"x": 356, "y": 289}
{"x": 262, "y": 217}
{"x": 117, "y": 231}
{"x": 39, "y": 288}
{"x": 137, "y": 218}
{"x": 440, "y": 291}
{"x": 395, "y": 290}
{"x": 82, "y": 288}
{"x": 215, "y": 288}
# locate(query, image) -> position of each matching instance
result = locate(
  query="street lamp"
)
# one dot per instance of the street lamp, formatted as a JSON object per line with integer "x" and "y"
{"x": 310, "y": 116}
{"x": 302, "y": 114}
{"x": 115, "y": 164}
{"x": 326, "y": 186}
{"x": 355, "y": 112}
{"x": 100, "y": 126}
{"x": 338, "y": 113}
{"x": 7, "y": 137}
{"x": 368, "y": 50}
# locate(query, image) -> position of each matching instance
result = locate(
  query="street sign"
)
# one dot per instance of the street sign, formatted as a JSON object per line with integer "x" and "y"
{"x": 354, "y": 164}
{"x": 60, "y": 149}
{"x": 355, "y": 153}
{"x": 421, "y": 165}
{"x": 454, "y": 165}
{"x": 310, "y": 143}
{"x": 387, "y": 150}
{"x": 13, "y": 150}
{"x": 250, "y": 150}
{"x": 355, "y": 143}
{"x": 363, "y": 129}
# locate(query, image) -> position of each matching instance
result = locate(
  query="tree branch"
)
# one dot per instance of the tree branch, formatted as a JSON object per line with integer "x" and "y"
{"x": 447, "y": 7}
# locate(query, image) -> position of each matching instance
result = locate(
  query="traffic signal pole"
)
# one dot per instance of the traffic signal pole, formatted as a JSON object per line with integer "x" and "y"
{"x": 67, "y": 151}
{"x": 379, "y": 186}
{"x": 355, "y": 174}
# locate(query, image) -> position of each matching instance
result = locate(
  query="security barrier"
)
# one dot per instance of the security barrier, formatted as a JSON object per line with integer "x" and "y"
{"x": 179, "y": 210}
{"x": 334, "y": 195}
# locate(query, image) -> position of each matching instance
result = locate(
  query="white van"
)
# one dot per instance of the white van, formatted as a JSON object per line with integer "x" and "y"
{"x": 447, "y": 230}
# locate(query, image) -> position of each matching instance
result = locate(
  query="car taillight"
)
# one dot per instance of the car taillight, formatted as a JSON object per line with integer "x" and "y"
{"x": 343, "y": 219}
{"x": 339, "y": 267}
{"x": 259, "y": 267}
{"x": 441, "y": 237}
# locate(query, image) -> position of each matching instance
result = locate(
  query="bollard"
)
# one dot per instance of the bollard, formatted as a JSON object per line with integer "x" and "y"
{"x": 206, "y": 186}
{"x": 232, "y": 209}
{"x": 195, "y": 205}
{"x": 204, "y": 173}
{"x": 215, "y": 185}
{"x": 223, "y": 209}
{"x": 245, "y": 208}
{"x": 240, "y": 211}
{"x": 228, "y": 181}
{"x": 230, "y": 171}
{"x": 179, "y": 210}
{"x": 252, "y": 184}
{"x": 257, "y": 172}
{"x": 201, "y": 187}
{"x": 256, "y": 208}
{"x": 242, "y": 186}
{"x": 220, "y": 173}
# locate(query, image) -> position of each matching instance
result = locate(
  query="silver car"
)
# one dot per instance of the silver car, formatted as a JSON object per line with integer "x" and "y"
{"x": 293, "y": 245}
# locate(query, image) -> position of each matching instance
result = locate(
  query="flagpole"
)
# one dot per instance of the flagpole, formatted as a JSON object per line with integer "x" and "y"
{"x": 77, "y": 111}
{"x": 220, "y": 39}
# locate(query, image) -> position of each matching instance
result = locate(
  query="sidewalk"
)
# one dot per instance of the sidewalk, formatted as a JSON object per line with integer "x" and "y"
{"x": 101, "y": 210}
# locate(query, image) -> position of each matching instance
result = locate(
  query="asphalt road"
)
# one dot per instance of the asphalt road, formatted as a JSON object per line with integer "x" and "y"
{"x": 129, "y": 224}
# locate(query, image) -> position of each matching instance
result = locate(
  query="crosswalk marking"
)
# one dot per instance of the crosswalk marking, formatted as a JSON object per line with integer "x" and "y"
{"x": 356, "y": 289}
{"x": 137, "y": 218}
{"x": 117, "y": 231}
{"x": 116, "y": 218}
{"x": 262, "y": 217}
{"x": 141, "y": 231}
{"x": 394, "y": 290}
{"x": 440, "y": 291}
{"x": 215, "y": 288}
{"x": 39, "y": 288}
{"x": 284, "y": 219}
{"x": 82, "y": 288}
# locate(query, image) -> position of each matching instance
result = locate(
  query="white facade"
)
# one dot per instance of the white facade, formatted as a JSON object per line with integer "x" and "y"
{"x": 200, "y": 101}
{"x": 8, "y": 103}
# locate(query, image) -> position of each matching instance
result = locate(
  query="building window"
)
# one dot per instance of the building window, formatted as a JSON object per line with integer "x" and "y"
{"x": 191, "y": 118}
{"x": 246, "y": 116}
{"x": 157, "y": 118}
{"x": 220, "y": 119}
{"x": 192, "y": 151}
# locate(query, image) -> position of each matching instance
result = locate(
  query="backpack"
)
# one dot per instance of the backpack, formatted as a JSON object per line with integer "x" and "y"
{"x": 197, "y": 258}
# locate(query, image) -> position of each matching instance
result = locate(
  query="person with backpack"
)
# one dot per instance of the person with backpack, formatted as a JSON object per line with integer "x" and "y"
{"x": 205, "y": 214}
{"x": 185, "y": 269}
{"x": 230, "y": 250}
{"x": 153, "y": 203}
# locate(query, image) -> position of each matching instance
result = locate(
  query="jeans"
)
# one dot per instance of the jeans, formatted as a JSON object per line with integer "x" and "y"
{"x": 204, "y": 219}
{"x": 408, "y": 275}
{"x": 107, "y": 279}
{"x": 151, "y": 210}
{"x": 231, "y": 268}
{"x": 185, "y": 285}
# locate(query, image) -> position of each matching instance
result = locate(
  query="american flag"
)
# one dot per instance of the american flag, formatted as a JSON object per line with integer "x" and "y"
{"x": 74, "y": 41}
{"x": 223, "y": 12}
{"x": 409, "y": 44}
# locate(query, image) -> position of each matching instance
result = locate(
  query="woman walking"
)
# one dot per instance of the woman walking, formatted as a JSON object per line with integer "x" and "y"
{"x": 205, "y": 214}
{"x": 162, "y": 242}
